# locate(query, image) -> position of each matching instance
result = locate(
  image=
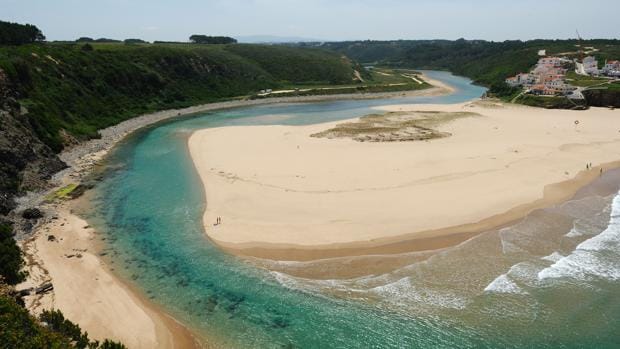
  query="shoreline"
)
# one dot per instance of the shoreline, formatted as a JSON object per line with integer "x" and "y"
{"x": 422, "y": 241}
{"x": 66, "y": 252}
{"x": 83, "y": 156}
{"x": 235, "y": 187}
{"x": 82, "y": 159}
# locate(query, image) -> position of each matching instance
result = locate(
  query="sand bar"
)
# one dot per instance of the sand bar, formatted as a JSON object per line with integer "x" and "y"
{"x": 286, "y": 195}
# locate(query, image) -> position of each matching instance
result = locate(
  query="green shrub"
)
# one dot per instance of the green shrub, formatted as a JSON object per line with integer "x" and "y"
{"x": 20, "y": 330}
{"x": 11, "y": 261}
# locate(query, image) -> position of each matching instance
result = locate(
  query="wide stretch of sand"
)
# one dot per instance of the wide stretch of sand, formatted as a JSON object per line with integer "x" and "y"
{"x": 277, "y": 188}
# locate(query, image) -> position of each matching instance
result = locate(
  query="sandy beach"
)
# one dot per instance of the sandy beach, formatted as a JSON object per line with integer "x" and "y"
{"x": 283, "y": 194}
{"x": 65, "y": 253}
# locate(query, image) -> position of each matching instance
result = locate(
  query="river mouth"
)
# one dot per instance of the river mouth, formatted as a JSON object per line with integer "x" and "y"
{"x": 482, "y": 292}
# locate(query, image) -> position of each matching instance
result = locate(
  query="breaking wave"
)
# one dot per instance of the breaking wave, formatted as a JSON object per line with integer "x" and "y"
{"x": 597, "y": 257}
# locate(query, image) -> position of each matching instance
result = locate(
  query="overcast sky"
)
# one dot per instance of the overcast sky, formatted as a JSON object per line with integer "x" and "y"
{"x": 320, "y": 19}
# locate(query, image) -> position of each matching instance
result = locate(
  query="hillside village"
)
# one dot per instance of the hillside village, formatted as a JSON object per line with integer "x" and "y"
{"x": 549, "y": 75}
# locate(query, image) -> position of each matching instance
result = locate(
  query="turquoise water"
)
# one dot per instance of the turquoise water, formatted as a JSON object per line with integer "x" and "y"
{"x": 524, "y": 286}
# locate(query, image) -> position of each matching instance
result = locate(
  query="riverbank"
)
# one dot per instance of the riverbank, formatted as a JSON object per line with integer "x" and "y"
{"x": 82, "y": 157}
{"x": 284, "y": 195}
{"x": 71, "y": 260}
{"x": 65, "y": 253}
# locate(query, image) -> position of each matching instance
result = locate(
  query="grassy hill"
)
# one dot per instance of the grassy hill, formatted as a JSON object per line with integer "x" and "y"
{"x": 82, "y": 88}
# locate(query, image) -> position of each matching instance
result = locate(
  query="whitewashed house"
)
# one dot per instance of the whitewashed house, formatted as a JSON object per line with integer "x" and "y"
{"x": 550, "y": 61}
{"x": 522, "y": 79}
{"x": 611, "y": 68}
{"x": 589, "y": 66}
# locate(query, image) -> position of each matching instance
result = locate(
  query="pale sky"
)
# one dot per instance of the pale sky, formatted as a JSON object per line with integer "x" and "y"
{"x": 319, "y": 19}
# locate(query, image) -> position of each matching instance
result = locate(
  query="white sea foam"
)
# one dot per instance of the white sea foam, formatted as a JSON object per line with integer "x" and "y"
{"x": 574, "y": 232}
{"x": 503, "y": 284}
{"x": 598, "y": 256}
{"x": 507, "y": 245}
{"x": 523, "y": 271}
{"x": 404, "y": 292}
{"x": 286, "y": 280}
{"x": 554, "y": 257}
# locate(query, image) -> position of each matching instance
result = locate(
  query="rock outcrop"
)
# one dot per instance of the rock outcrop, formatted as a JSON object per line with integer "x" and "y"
{"x": 602, "y": 98}
{"x": 25, "y": 162}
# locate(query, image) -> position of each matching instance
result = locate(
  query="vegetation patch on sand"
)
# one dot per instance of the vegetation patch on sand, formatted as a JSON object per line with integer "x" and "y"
{"x": 395, "y": 126}
{"x": 62, "y": 193}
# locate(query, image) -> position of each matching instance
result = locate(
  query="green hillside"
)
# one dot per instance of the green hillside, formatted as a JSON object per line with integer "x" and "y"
{"x": 83, "y": 88}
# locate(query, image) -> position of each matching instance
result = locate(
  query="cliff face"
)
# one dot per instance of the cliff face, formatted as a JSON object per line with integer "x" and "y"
{"x": 602, "y": 98}
{"x": 25, "y": 162}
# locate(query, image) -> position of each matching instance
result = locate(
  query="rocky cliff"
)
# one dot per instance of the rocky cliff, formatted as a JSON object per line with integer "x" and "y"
{"x": 25, "y": 162}
{"x": 602, "y": 98}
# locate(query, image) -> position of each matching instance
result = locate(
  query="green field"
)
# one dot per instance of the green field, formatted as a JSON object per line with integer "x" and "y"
{"x": 614, "y": 86}
{"x": 375, "y": 81}
{"x": 584, "y": 81}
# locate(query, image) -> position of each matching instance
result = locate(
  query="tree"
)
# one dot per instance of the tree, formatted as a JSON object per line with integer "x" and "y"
{"x": 19, "y": 34}
{"x": 11, "y": 260}
{"x": 106, "y": 40}
{"x": 19, "y": 329}
{"x": 134, "y": 41}
{"x": 211, "y": 40}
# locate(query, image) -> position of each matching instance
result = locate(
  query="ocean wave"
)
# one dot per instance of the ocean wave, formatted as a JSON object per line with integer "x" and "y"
{"x": 503, "y": 284}
{"x": 507, "y": 238}
{"x": 554, "y": 257}
{"x": 575, "y": 232}
{"x": 598, "y": 256}
{"x": 404, "y": 292}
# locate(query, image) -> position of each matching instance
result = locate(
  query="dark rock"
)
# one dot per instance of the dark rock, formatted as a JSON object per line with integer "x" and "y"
{"x": 32, "y": 213}
{"x": 211, "y": 303}
{"x": 23, "y": 293}
{"x": 46, "y": 287}
{"x": 51, "y": 238}
{"x": 279, "y": 322}
{"x": 602, "y": 98}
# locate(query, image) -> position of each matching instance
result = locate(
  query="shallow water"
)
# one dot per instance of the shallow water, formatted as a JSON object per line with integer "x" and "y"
{"x": 550, "y": 281}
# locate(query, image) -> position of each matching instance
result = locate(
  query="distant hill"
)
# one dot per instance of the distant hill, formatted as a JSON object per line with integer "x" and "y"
{"x": 485, "y": 62}
{"x": 273, "y": 39}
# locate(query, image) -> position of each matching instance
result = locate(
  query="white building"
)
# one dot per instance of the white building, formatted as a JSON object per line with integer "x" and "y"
{"x": 611, "y": 68}
{"x": 550, "y": 61}
{"x": 559, "y": 86}
{"x": 589, "y": 66}
{"x": 521, "y": 80}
